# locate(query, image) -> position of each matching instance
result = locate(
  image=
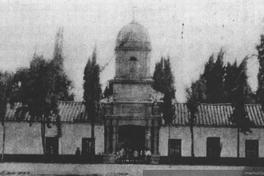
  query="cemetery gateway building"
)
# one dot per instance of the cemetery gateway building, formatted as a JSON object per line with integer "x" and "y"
{"x": 131, "y": 118}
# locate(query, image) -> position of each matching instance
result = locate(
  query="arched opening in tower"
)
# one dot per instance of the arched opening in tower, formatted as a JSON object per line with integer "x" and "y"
{"x": 133, "y": 67}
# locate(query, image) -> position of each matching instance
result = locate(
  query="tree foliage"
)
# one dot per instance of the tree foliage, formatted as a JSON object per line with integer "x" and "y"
{"x": 40, "y": 87}
{"x": 223, "y": 84}
{"x": 260, "y": 91}
{"x": 5, "y": 94}
{"x": 6, "y": 80}
{"x": 92, "y": 91}
{"x": 164, "y": 82}
{"x": 108, "y": 90}
{"x": 92, "y": 87}
{"x": 240, "y": 115}
{"x": 214, "y": 75}
{"x": 217, "y": 83}
{"x": 163, "y": 77}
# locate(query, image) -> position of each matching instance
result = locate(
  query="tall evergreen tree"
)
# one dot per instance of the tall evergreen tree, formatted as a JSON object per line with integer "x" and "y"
{"x": 92, "y": 92}
{"x": 232, "y": 72}
{"x": 240, "y": 116}
{"x": 207, "y": 89}
{"x": 195, "y": 94}
{"x": 164, "y": 83}
{"x": 222, "y": 84}
{"x": 217, "y": 82}
{"x": 197, "y": 91}
{"x": 214, "y": 76}
{"x": 158, "y": 76}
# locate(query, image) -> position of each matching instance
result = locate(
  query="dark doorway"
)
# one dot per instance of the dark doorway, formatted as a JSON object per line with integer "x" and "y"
{"x": 87, "y": 146}
{"x": 252, "y": 148}
{"x": 132, "y": 137}
{"x": 52, "y": 145}
{"x": 213, "y": 147}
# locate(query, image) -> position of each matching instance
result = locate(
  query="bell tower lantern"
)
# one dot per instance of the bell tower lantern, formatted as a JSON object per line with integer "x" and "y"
{"x": 133, "y": 52}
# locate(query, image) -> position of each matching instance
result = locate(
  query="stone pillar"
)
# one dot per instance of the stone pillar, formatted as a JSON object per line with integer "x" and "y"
{"x": 156, "y": 136}
{"x": 156, "y": 140}
{"x": 107, "y": 138}
{"x": 148, "y": 135}
{"x": 114, "y": 136}
{"x": 117, "y": 133}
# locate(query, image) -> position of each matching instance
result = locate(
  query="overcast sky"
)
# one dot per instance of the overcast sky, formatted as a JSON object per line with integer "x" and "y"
{"x": 30, "y": 26}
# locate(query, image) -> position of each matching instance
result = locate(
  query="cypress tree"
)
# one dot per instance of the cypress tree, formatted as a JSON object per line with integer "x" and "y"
{"x": 92, "y": 92}
{"x": 164, "y": 83}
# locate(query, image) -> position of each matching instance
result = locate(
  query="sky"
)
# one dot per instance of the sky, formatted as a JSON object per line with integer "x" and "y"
{"x": 188, "y": 31}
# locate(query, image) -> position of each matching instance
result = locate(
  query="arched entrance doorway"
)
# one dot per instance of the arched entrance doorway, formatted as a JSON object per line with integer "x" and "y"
{"x": 132, "y": 137}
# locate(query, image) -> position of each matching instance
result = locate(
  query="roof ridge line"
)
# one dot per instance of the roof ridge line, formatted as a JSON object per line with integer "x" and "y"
{"x": 63, "y": 101}
{"x": 215, "y": 104}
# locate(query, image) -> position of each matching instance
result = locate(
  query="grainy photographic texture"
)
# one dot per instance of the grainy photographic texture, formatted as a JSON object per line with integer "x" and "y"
{"x": 131, "y": 87}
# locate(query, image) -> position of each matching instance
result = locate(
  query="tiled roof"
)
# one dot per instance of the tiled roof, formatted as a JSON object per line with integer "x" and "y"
{"x": 207, "y": 115}
{"x": 70, "y": 111}
{"x": 216, "y": 114}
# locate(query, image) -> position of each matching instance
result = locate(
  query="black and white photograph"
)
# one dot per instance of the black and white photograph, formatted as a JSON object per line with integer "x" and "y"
{"x": 131, "y": 87}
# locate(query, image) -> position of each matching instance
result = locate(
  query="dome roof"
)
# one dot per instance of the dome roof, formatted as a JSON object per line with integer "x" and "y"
{"x": 133, "y": 37}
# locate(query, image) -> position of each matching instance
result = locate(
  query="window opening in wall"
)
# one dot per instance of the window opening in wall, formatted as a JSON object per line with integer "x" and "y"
{"x": 175, "y": 147}
{"x": 252, "y": 147}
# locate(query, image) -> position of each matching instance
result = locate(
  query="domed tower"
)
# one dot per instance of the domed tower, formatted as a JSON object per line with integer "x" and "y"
{"x": 133, "y": 52}
{"x": 133, "y": 49}
{"x": 131, "y": 114}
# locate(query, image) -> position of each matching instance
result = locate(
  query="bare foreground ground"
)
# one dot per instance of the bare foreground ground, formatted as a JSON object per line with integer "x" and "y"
{"x": 119, "y": 169}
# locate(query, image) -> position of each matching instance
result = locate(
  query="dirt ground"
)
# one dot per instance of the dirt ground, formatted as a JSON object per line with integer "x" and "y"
{"x": 119, "y": 169}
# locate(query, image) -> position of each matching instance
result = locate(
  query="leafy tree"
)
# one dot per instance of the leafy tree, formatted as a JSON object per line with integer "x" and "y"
{"x": 92, "y": 92}
{"x": 32, "y": 88}
{"x": 260, "y": 91}
{"x": 39, "y": 89}
{"x": 5, "y": 94}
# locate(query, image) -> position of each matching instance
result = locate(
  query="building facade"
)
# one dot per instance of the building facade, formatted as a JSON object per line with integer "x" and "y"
{"x": 132, "y": 118}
